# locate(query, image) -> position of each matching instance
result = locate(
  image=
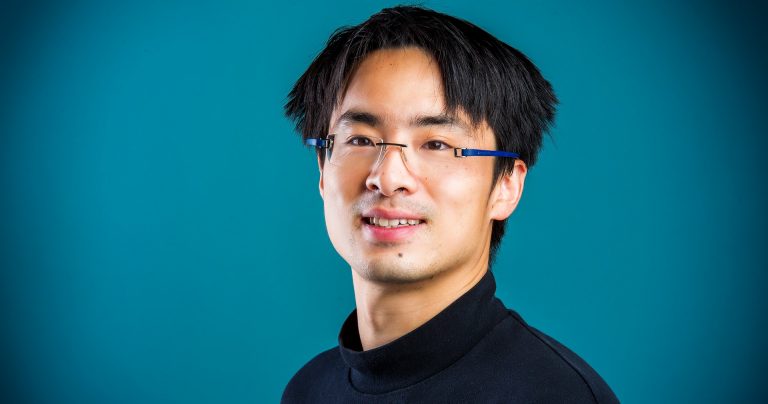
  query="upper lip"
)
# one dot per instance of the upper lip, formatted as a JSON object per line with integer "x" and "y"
{"x": 390, "y": 214}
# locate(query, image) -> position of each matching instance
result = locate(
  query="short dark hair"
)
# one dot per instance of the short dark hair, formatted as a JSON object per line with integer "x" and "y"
{"x": 490, "y": 80}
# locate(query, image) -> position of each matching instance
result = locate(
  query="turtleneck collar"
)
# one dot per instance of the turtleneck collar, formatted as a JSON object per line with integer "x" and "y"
{"x": 428, "y": 349}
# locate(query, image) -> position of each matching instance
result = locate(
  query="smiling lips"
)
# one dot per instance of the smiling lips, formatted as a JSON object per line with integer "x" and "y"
{"x": 382, "y": 225}
{"x": 388, "y": 223}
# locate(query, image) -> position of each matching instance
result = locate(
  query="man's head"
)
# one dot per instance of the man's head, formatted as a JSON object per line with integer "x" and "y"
{"x": 405, "y": 76}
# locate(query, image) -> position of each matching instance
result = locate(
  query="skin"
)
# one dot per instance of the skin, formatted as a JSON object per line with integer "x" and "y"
{"x": 400, "y": 285}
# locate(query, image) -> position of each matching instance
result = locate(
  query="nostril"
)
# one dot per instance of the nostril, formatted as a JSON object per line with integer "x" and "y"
{"x": 370, "y": 183}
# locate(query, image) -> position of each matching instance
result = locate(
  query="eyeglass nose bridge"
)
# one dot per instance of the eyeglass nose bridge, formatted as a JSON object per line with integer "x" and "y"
{"x": 383, "y": 146}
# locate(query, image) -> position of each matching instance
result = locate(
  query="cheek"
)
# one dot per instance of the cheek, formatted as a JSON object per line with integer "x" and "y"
{"x": 461, "y": 199}
{"x": 341, "y": 191}
{"x": 340, "y": 194}
{"x": 334, "y": 208}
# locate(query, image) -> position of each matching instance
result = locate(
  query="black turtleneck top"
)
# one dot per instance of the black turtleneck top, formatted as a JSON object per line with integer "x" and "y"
{"x": 474, "y": 351}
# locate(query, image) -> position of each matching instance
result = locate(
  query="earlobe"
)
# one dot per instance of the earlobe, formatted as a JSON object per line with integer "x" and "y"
{"x": 508, "y": 191}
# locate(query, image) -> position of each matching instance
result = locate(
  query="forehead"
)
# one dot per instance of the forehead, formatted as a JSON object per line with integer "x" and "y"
{"x": 395, "y": 85}
{"x": 401, "y": 87}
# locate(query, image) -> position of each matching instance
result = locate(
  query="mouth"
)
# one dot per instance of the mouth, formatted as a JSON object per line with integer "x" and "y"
{"x": 391, "y": 226}
{"x": 391, "y": 223}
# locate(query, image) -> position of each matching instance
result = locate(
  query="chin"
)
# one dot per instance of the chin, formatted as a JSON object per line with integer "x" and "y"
{"x": 381, "y": 271}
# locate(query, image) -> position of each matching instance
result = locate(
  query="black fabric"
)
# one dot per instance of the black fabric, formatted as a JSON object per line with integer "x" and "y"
{"x": 475, "y": 350}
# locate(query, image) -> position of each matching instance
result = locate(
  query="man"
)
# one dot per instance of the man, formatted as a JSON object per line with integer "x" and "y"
{"x": 425, "y": 127}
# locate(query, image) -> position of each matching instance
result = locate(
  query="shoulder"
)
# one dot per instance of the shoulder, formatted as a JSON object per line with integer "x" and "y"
{"x": 542, "y": 369}
{"x": 317, "y": 377}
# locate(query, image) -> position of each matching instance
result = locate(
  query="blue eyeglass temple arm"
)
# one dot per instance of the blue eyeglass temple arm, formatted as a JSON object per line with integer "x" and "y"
{"x": 477, "y": 152}
{"x": 457, "y": 152}
{"x": 319, "y": 143}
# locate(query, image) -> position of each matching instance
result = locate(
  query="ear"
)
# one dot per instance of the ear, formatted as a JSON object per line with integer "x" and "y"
{"x": 507, "y": 192}
{"x": 320, "y": 168}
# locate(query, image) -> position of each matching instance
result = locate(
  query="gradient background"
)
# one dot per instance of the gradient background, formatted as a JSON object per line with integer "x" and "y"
{"x": 162, "y": 235}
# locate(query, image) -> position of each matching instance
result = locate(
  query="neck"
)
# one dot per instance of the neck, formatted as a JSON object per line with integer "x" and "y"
{"x": 387, "y": 311}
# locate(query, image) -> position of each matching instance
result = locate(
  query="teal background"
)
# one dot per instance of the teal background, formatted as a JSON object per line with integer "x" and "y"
{"x": 162, "y": 235}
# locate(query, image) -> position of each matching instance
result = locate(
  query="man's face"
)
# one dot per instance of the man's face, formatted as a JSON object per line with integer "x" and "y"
{"x": 397, "y": 95}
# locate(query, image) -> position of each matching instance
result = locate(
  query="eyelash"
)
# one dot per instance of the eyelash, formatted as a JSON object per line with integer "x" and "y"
{"x": 442, "y": 145}
{"x": 353, "y": 139}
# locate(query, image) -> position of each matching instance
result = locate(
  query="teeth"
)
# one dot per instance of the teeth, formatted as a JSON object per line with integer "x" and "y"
{"x": 389, "y": 223}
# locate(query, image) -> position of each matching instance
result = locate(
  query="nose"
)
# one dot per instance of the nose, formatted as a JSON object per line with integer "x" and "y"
{"x": 391, "y": 174}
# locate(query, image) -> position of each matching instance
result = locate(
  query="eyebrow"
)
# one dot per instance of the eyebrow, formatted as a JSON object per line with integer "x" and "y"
{"x": 353, "y": 116}
{"x": 438, "y": 120}
{"x": 367, "y": 118}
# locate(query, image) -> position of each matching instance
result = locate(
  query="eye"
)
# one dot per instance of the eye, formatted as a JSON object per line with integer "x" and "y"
{"x": 361, "y": 141}
{"x": 436, "y": 145}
